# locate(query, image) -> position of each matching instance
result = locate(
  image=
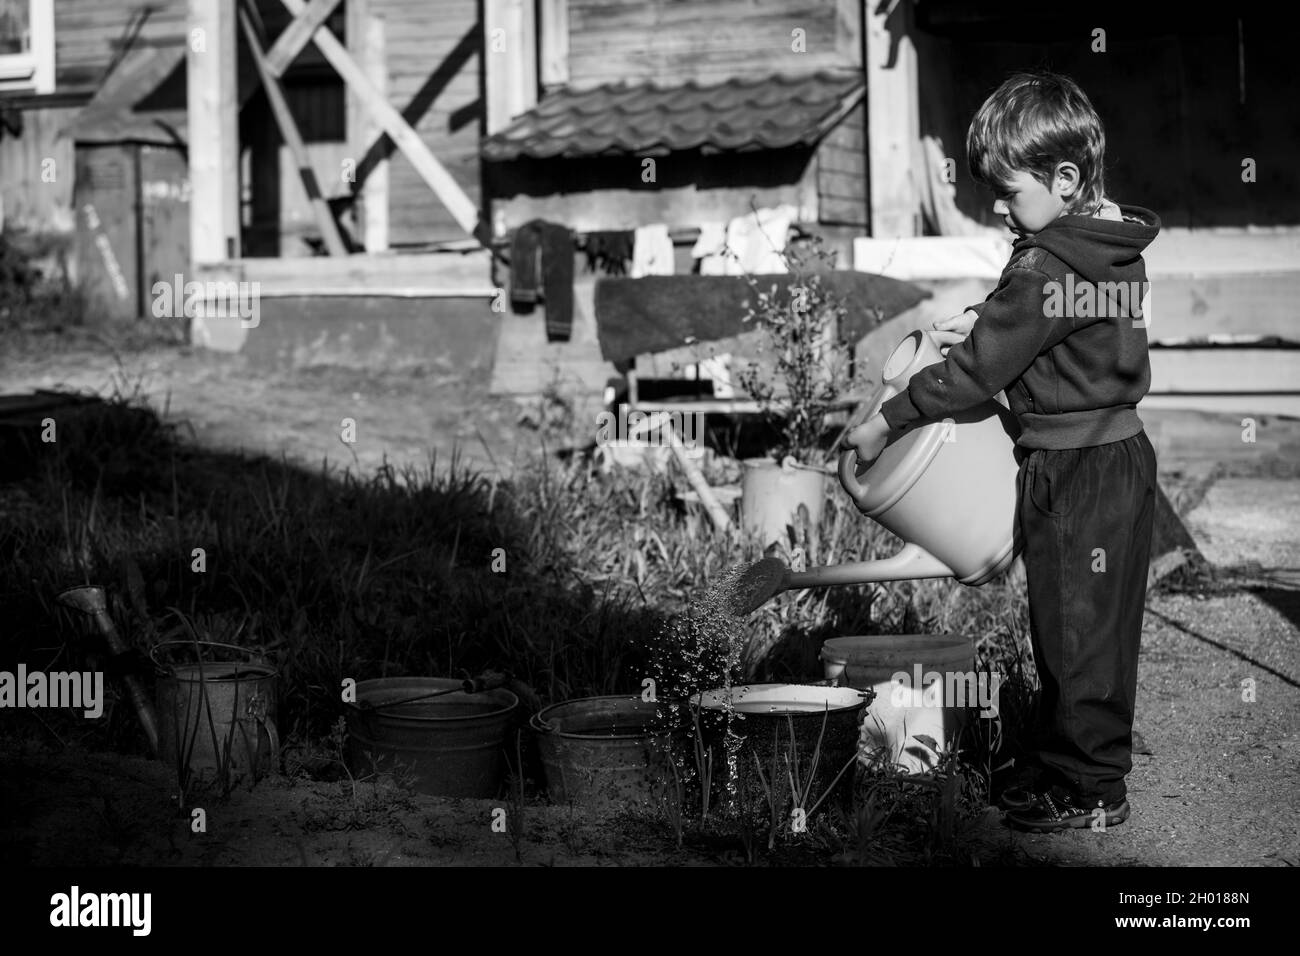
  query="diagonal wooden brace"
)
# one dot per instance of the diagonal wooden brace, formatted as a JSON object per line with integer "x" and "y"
{"x": 289, "y": 130}
{"x": 298, "y": 34}
{"x": 406, "y": 139}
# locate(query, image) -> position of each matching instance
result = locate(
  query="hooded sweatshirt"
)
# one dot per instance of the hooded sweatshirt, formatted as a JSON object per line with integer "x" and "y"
{"x": 1063, "y": 333}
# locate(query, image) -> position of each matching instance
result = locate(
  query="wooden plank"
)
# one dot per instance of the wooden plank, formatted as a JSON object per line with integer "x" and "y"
{"x": 848, "y": 32}
{"x": 27, "y": 200}
{"x": 1192, "y": 307}
{"x": 1243, "y": 405}
{"x": 298, "y": 34}
{"x": 852, "y": 212}
{"x": 554, "y": 37}
{"x": 893, "y": 122}
{"x": 1221, "y": 252}
{"x": 293, "y": 140}
{"x": 213, "y": 122}
{"x": 1218, "y": 371}
{"x": 429, "y": 275}
{"x": 509, "y": 60}
{"x": 86, "y": 33}
{"x": 676, "y": 41}
{"x": 374, "y": 191}
{"x": 407, "y": 140}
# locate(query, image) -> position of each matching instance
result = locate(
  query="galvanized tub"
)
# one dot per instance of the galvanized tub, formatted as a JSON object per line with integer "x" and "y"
{"x": 216, "y": 709}
{"x": 780, "y": 722}
{"x": 452, "y": 745}
{"x": 600, "y": 751}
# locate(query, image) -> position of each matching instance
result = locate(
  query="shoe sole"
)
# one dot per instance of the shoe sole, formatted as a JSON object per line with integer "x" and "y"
{"x": 1113, "y": 818}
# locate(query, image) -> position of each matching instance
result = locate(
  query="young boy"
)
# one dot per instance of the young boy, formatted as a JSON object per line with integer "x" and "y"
{"x": 1064, "y": 334}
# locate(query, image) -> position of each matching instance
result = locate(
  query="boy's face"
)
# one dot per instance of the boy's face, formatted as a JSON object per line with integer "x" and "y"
{"x": 1026, "y": 205}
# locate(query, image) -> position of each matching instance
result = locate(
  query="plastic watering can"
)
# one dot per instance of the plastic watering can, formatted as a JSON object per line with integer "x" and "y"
{"x": 946, "y": 488}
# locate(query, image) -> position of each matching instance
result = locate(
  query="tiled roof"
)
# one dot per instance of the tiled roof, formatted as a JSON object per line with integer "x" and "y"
{"x": 653, "y": 119}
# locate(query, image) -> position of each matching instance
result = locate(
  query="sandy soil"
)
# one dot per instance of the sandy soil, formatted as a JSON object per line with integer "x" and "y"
{"x": 1219, "y": 785}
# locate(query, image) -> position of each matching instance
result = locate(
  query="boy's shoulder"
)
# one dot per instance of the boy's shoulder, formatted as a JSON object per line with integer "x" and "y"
{"x": 1032, "y": 258}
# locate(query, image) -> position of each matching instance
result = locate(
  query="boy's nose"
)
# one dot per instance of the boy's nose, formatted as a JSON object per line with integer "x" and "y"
{"x": 1000, "y": 207}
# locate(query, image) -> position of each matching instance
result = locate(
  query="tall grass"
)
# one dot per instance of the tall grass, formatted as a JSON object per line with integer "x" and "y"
{"x": 561, "y": 576}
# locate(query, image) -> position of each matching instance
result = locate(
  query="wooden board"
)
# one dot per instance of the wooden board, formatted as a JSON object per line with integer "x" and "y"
{"x": 30, "y": 200}
{"x": 462, "y": 208}
{"x": 107, "y": 238}
{"x": 1225, "y": 371}
{"x": 1246, "y": 304}
{"x": 87, "y": 34}
{"x": 432, "y": 60}
{"x": 425, "y": 275}
{"x": 842, "y": 172}
{"x": 893, "y": 123}
{"x": 660, "y": 39}
{"x": 211, "y": 94}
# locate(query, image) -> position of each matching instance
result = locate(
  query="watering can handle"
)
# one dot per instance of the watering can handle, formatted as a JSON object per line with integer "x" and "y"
{"x": 849, "y": 476}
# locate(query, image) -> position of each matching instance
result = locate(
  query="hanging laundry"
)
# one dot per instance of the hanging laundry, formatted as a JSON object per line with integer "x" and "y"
{"x": 541, "y": 259}
{"x": 758, "y": 240}
{"x": 710, "y": 249}
{"x": 652, "y": 252}
{"x": 609, "y": 251}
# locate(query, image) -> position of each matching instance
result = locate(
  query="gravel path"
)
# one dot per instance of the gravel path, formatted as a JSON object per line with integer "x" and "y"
{"x": 1221, "y": 786}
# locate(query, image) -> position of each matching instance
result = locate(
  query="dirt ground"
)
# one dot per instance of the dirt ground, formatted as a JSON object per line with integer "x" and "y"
{"x": 1218, "y": 705}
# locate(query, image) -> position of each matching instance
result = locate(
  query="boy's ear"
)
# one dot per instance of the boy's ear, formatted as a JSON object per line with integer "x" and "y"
{"x": 1067, "y": 178}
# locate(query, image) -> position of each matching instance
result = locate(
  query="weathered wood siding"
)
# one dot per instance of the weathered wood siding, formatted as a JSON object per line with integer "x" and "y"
{"x": 674, "y": 40}
{"x": 433, "y": 50}
{"x": 842, "y": 172}
{"x": 89, "y": 33}
{"x": 30, "y": 202}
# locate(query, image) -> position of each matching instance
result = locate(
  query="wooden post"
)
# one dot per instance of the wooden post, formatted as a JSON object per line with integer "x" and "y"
{"x": 443, "y": 184}
{"x": 213, "y": 131}
{"x": 366, "y": 34}
{"x": 893, "y": 122}
{"x": 509, "y": 60}
{"x": 554, "y": 41}
{"x": 289, "y": 130}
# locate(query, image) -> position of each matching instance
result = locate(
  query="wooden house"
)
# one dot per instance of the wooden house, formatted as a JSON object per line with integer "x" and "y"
{"x": 431, "y": 130}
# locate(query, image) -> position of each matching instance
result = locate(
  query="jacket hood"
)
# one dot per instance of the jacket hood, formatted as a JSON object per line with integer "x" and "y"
{"x": 1096, "y": 248}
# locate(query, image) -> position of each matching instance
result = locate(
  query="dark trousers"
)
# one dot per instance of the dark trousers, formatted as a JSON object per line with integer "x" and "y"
{"x": 1086, "y": 518}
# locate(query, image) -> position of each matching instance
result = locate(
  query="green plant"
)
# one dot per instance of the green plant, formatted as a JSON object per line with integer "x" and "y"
{"x": 812, "y": 365}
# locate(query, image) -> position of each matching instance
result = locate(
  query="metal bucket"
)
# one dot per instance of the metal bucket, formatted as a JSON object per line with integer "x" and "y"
{"x": 778, "y": 721}
{"x": 216, "y": 709}
{"x": 452, "y": 745}
{"x": 600, "y": 751}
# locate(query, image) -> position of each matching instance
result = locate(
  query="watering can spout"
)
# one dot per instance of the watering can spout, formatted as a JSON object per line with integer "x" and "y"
{"x": 910, "y": 563}
{"x": 763, "y": 580}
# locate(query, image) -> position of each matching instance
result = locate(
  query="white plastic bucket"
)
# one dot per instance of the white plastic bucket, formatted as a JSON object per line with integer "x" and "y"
{"x": 922, "y": 684}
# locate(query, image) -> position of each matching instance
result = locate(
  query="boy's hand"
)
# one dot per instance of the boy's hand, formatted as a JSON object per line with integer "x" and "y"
{"x": 948, "y": 332}
{"x": 869, "y": 438}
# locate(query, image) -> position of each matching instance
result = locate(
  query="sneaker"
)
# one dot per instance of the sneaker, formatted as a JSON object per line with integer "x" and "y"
{"x": 1052, "y": 811}
{"x": 1022, "y": 792}
{"x": 1018, "y": 796}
